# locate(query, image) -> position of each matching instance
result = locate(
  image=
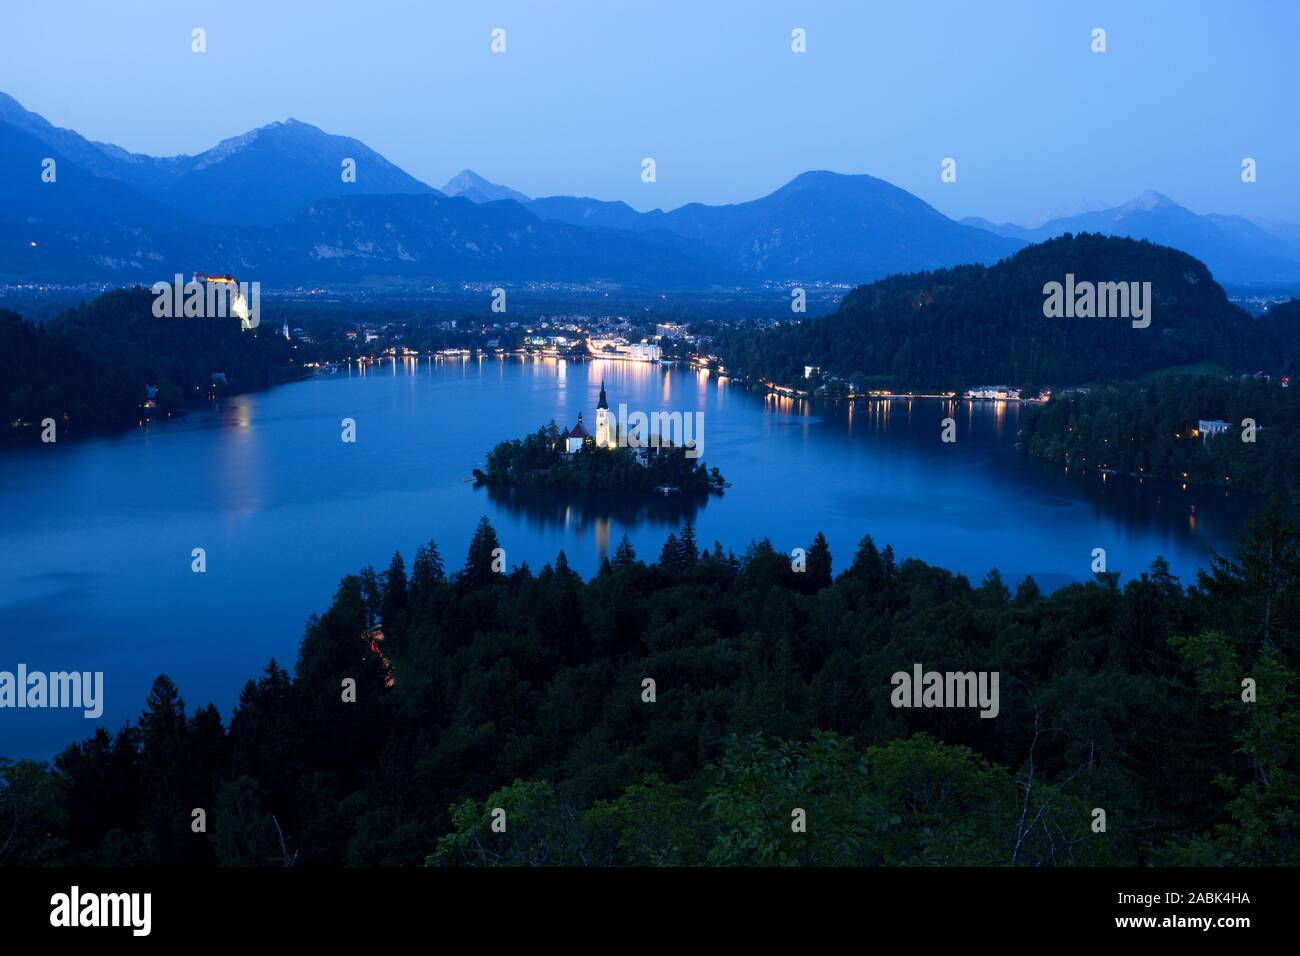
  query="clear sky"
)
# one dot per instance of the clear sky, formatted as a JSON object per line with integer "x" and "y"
{"x": 1036, "y": 121}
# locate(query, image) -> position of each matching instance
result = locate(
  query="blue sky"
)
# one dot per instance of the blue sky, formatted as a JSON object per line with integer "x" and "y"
{"x": 711, "y": 90}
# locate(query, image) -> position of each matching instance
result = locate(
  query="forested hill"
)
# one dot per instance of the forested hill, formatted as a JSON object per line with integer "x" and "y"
{"x": 973, "y": 325}
{"x": 88, "y": 368}
{"x": 772, "y": 691}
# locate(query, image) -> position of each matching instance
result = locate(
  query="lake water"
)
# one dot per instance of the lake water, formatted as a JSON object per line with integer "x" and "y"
{"x": 96, "y": 536}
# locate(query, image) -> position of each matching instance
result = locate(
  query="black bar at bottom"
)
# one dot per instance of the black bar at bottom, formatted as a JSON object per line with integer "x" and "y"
{"x": 206, "y": 906}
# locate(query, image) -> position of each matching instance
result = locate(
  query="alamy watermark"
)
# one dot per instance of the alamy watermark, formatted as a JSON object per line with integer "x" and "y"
{"x": 74, "y": 908}
{"x": 946, "y": 689}
{"x": 56, "y": 689}
{"x": 1100, "y": 300}
{"x": 209, "y": 297}
{"x": 660, "y": 430}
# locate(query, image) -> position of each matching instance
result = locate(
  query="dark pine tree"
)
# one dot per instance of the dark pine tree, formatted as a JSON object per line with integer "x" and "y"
{"x": 482, "y": 554}
{"x": 427, "y": 572}
{"x": 670, "y": 556}
{"x": 1255, "y": 594}
{"x": 688, "y": 550}
{"x": 395, "y": 595}
{"x": 162, "y": 778}
{"x": 624, "y": 555}
{"x": 819, "y": 563}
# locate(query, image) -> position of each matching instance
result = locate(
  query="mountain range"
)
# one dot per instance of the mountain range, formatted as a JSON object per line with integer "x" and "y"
{"x": 275, "y": 204}
{"x": 1235, "y": 248}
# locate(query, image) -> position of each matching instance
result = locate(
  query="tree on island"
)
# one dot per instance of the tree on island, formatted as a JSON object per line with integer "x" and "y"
{"x": 539, "y": 460}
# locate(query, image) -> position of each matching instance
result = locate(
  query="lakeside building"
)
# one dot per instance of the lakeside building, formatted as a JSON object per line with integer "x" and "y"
{"x": 620, "y": 348}
{"x": 996, "y": 393}
{"x": 1208, "y": 427}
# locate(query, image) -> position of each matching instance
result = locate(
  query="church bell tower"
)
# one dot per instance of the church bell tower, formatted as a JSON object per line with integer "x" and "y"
{"x": 603, "y": 437}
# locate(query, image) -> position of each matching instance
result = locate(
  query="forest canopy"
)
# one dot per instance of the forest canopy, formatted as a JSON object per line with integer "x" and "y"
{"x": 89, "y": 368}
{"x": 976, "y": 325}
{"x": 1154, "y": 431}
{"x": 1172, "y": 709}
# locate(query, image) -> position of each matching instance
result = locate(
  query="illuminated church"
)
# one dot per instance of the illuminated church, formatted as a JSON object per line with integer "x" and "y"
{"x": 576, "y": 437}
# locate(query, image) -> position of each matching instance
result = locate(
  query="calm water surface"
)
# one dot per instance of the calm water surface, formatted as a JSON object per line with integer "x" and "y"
{"x": 95, "y": 537}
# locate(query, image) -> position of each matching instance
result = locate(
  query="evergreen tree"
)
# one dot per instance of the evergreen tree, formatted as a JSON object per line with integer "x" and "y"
{"x": 372, "y": 596}
{"x": 670, "y": 556}
{"x": 867, "y": 565}
{"x": 478, "y": 562}
{"x": 688, "y": 551}
{"x": 395, "y": 596}
{"x": 993, "y": 591}
{"x": 162, "y": 724}
{"x": 819, "y": 563}
{"x": 624, "y": 555}
{"x": 162, "y": 773}
{"x": 1255, "y": 594}
{"x": 1027, "y": 593}
{"x": 426, "y": 572}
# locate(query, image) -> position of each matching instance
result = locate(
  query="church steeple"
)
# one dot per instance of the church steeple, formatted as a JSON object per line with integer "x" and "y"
{"x": 604, "y": 434}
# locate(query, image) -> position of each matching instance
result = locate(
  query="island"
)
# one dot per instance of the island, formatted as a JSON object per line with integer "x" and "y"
{"x": 615, "y": 458}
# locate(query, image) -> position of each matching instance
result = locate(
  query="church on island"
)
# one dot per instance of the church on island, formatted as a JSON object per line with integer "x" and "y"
{"x": 573, "y": 439}
{"x": 604, "y": 456}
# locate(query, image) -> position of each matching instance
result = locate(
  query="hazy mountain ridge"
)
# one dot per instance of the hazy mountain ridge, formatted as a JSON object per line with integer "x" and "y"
{"x": 273, "y": 200}
{"x": 1234, "y": 247}
{"x": 475, "y": 188}
{"x": 259, "y": 177}
{"x": 819, "y": 226}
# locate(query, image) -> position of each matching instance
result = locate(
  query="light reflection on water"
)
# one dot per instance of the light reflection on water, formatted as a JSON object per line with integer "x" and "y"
{"x": 96, "y": 537}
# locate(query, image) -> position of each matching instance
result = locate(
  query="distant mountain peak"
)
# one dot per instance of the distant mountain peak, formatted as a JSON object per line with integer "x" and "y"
{"x": 278, "y": 129}
{"x": 827, "y": 177}
{"x": 292, "y": 125}
{"x": 816, "y": 175}
{"x": 1146, "y": 202}
{"x": 475, "y": 188}
{"x": 258, "y": 177}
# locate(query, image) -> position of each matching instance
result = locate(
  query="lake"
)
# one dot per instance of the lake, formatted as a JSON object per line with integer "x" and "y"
{"x": 96, "y": 536}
